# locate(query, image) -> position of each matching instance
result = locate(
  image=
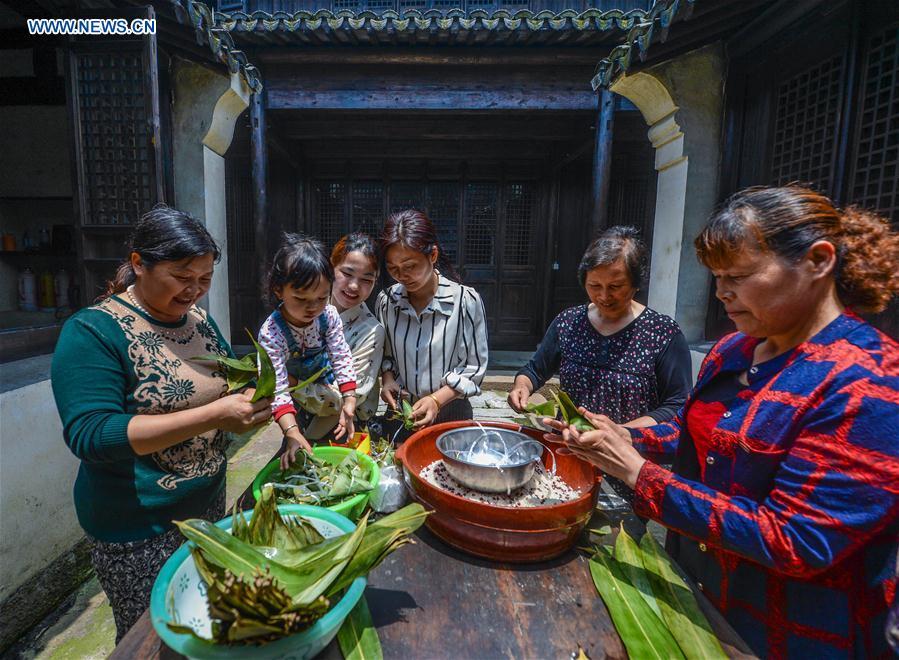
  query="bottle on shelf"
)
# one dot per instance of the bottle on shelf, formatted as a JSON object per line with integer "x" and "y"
{"x": 27, "y": 290}
{"x": 26, "y": 241}
{"x": 61, "y": 285}
{"x": 9, "y": 242}
{"x": 46, "y": 293}
{"x": 44, "y": 238}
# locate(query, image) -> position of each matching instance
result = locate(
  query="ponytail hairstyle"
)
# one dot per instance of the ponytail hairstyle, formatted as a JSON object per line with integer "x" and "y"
{"x": 162, "y": 234}
{"x": 356, "y": 242}
{"x": 413, "y": 230}
{"x": 299, "y": 262}
{"x": 786, "y": 221}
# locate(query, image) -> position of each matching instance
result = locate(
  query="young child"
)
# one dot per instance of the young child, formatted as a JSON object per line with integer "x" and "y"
{"x": 305, "y": 334}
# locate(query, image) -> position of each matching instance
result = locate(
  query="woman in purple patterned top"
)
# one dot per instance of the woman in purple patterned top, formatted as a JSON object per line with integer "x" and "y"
{"x": 612, "y": 355}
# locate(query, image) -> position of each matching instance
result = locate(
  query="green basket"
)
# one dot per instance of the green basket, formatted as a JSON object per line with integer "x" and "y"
{"x": 351, "y": 507}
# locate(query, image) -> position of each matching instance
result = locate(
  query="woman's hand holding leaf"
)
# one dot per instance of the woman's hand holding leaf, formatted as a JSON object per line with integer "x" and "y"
{"x": 390, "y": 389}
{"x": 424, "y": 412}
{"x": 238, "y": 413}
{"x": 609, "y": 447}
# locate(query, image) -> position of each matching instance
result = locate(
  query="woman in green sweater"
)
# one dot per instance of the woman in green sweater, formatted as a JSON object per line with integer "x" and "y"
{"x": 146, "y": 420}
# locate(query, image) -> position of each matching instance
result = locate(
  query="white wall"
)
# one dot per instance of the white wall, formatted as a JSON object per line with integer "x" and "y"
{"x": 37, "y": 472}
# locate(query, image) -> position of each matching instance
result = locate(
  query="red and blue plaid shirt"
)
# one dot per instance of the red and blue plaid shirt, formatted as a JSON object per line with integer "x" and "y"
{"x": 791, "y": 526}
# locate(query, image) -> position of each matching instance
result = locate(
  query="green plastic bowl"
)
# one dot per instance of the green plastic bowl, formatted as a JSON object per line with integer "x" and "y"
{"x": 352, "y": 507}
{"x": 179, "y": 595}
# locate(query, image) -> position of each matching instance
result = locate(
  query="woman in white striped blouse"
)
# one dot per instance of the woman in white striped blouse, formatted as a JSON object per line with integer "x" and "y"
{"x": 436, "y": 331}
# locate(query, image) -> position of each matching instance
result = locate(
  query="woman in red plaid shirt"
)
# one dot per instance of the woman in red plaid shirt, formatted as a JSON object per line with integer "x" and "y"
{"x": 783, "y": 504}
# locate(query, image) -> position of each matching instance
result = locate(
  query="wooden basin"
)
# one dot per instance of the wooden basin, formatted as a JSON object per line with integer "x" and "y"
{"x": 502, "y": 533}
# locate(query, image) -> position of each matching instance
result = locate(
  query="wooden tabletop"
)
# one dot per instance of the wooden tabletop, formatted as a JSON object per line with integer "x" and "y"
{"x": 429, "y": 600}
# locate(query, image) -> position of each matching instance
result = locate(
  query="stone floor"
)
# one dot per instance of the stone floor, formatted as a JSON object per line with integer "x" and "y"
{"x": 83, "y": 628}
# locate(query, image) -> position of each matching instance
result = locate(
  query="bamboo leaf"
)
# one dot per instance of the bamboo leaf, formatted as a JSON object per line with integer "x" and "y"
{"x": 357, "y": 637}
{"x": 239, "y": 379}
{"x": 314, "y": 377}
{"x": 229, "y": 362}
{"x": 265, "y": 383}
{"x": 680, "y": 609}
{"x": 643, "y": 633}
{"x": 546, "y": 409}
{"x": 630, "y": 558}
{"x": 567, "y": 405}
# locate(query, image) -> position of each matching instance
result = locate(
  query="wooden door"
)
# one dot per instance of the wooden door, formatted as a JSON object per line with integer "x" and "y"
{"x": 488, "y": 228}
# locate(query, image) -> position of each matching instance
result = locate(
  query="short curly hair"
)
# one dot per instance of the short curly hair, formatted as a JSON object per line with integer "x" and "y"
{"x": 787, "y": 220}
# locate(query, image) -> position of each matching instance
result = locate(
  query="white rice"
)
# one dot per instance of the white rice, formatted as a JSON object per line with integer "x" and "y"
{"x": 543, "y": 490}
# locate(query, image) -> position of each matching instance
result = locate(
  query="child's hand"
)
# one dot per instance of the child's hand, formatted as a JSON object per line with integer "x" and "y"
{"x": 345, "y": 422}
{"x": 295, "y": 442}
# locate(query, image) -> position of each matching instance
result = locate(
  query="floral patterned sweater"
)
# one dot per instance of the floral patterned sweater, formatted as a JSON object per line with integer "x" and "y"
{"x": 112, "y": 362}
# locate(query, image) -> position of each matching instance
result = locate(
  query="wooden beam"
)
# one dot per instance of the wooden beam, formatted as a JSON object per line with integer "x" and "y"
{"x": 556, "y": 127}
{"x": 424, "y": 100}
{"x": 419, "y": 88}
{"x": 431, "y": 56}
{"x": 259, "y": 154}
{"x": 602, "y": 160}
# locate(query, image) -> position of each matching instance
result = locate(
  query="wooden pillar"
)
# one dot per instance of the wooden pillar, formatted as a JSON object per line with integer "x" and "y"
{"x": 602, "y": 161}
{"x": 259, "y": 155}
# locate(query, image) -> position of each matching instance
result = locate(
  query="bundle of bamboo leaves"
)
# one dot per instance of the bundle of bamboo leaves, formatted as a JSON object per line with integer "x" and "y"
{"x": 310, "y": 480}
{"x": 652, "y": 607}
{"x": 273, "y": 577}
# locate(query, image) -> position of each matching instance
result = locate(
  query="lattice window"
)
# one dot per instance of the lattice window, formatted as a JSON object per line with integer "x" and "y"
{"x": 448, "y": 4}
{"x": 808, "y": 105}
{"x": 353, "y": 5}
{"x": 443, "y": 209}
{"x": 368, "y": 206}
{"x": 407, "y": 195}
{"x": 480, "y": 222}
{"x": 519, "y": 222}
{"x": 118, "y": 179}
{"x": 381, "y": 5}
{"x": 413, "y": 4}
{"x": 627, "y": 202}
{"x": 876, "y": 178}
{"x": 331, "y": 204}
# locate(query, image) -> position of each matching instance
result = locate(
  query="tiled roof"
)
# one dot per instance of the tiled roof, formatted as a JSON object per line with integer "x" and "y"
{"x": 222, "y": 44}
{"x": 453, "y": 27}
{"x": 659, "y": 18}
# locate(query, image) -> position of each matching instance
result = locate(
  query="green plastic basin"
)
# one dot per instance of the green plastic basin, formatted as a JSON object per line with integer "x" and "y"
{"x": 352, "y": 507}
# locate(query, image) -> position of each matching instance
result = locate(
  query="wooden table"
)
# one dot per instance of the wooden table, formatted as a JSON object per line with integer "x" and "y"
{"x": 429, "y": 600}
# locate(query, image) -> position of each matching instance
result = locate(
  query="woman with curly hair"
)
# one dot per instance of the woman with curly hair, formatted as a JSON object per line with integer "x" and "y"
{"x": 783, "y": 504}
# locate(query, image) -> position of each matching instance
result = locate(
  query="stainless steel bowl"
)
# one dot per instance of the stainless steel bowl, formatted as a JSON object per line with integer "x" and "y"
{"x": 470, "y": 455}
